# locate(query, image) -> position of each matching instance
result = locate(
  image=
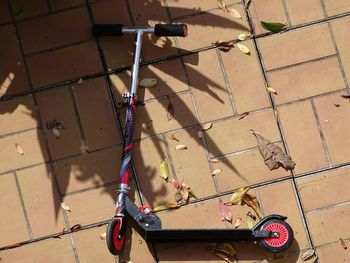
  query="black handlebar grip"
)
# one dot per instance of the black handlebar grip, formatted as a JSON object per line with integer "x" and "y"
{"x": 107, "y": 30}
{"x": 170, "y": 30}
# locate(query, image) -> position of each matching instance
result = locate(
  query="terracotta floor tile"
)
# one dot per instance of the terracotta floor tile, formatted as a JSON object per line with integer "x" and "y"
{"x": 334, "y": 123}
{"x": 148, "y": 155}
{"x": 96, "y": 114}
{"x": 55, "y": 30}
{"x": 5, "y": 14}
{"x": 209, "y": 89}
{"x": 296, "y": 46}
{"x": 302, "y": 136}
{"x": 17, "y": 114}
{"x": 64, "y": 64}
{"x": 41, "y": 200}
{"x": 91, "y": 206}
{"x": 89, "y": 170}
{"x": 341, "y": 33}
{"x": 191, "y": 165}
{"x": 335, "y": 7}
{"x": 154, "y": 116}
{"x": 170, "y": 75}
{"x": 24, "y": 9}
{"x": 62, "y": 4}
{"x": 41, "y": 252}
{"x": 250, "y": 252}
{"x": 302, "y": 12}
{"x": 209, "y": 27}
{"x": 280, "y": 199}
{"x": 306, "y": 80}
{"x": 324, "y": 189}
{"x": 117, "y": 50}
{"x": 57, "y": 105}
{"x": 33, "y": 147}
{"x": 90, "y": 247}
{"x": 13, "y": 76}
{"x": 324, "y": 227}
{"x": 246, "y": 79}
{"x": 233, "y": 135}
{"x": 333, "y": 253}
{"x": 268, "y": 11}
{"x": 244, "y": 169}
{"x": 13, "y": 227}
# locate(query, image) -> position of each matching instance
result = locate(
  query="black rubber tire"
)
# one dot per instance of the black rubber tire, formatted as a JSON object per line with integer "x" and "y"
{"x": 286, "y": 243}
{"x": 110, "y": 236}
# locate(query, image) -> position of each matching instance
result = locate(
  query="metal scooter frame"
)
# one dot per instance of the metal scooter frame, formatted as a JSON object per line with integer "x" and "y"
{"x": 147, "y": 223}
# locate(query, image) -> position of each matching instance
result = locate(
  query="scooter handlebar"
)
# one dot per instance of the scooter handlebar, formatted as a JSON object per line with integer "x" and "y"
{"x": 159, "y": 30}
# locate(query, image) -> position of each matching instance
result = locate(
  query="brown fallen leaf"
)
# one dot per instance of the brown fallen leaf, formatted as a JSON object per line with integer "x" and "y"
{"x": 342, "y": 242}
{"x": 103, "y": 236}
{"x": 252, "y": 202}
{"x": 223, "y": 45}
{"x": 225, "y": 211}
{"x": 345, "y": 96}
{"x": 307, "y": 254}
{"x": 216, "y": 172}
{"x": 248, "y": 4}
{"x": 147, "y": 125}
{"x": 207, "y": 126}
{"x": 221, "y": 4}
{"x": 75, "y": 227}
{"x": 164, "y": 172}
{"x": 181, "y": 147}
{"x": 170, "y": 110}
{"x": 65, "y": 207}
{"x": 273, "y": 155}
{"x": 178, "y": 196}
{"x": 226, "y": 248}
{"x": 19, "y": 149}
{"x": 238, "y": 196}
{"x": 173, "y": 137}
{"x": 165, "y": 206}
{"x": 234, "y": 13}
{"x": 337, "y": 105}
{"x": 184, "y": 193}
{"x": 249, "y": 220}
{"x": 14, "y": 245}
{"x": 238, "y": 222}
{"x": 243, "y": 115}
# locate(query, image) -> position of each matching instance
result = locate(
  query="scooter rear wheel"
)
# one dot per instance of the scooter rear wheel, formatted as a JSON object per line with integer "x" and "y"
{"x": 282, "y": 241}
{"x": 115, "y": 235}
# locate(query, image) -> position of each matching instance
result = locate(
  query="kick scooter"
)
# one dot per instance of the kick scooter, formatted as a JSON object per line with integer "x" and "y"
{"x": 272, "y": 232}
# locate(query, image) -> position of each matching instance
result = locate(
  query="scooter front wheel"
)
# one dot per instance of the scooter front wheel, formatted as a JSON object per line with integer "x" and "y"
{"x": 282, "y": 241}
{"x": 115, "y": 235}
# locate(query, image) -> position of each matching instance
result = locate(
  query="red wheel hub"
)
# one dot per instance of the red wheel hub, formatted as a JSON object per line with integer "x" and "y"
{"x": 118, "y": 243}
{"x": 282, "y": 237}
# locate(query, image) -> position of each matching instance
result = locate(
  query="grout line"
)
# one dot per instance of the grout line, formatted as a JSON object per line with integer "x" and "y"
{"x": 49, "y": 6}
{"x": 18, "y": 132}
{"x": 324, "y": 9}
{"x": 318, "y": 123}
{"x": 26, "y": 217}
{"x": 91, "y": 188}
{"x": 227, "y": 82}
{"x": 289, "y": 21}
{"x": 170, "y": 161}
{"x": 320, "y": 209}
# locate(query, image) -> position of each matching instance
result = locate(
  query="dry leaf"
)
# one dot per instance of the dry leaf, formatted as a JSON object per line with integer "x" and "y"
{"x": 19, "y": 149}
{"x": 337, "y": 105}
{"x": 225, "y": 211}
{"x": 164, "y": 172}
{"x": 171, "y": 111}
{"x": 184, "y": 193}
{"x": 238, "y": 222}
{"x": 55, "y": 126}
{"x": 252, "y": 202}
{"x": 242, "y": 37}
{"x": 103, "y": 236}
{"x": 307, "y": 254}
{"x": 238, "y": 196}
{"x": 271, "y": 90}
{"x": 326, "y": 121}
{"x": 165, "y": 206}
{"x": 14, "y": 245}
{"x": 175, "y": 183}
{"x": 80, "y": 81}
{"x": 178, "y": 196}
{"x": 233, "y": 12}
{"x": 345, "y": 96}
{"x": 249, "y": 220}
{"x": 342, "y": 242}
{"x": 192, "y": 194}
{"x": 75, "y": 227}
{"x": 56, "y": 132}
{"x": 214, "y": 160}
{"x": 173, "y": 137}
{"x": 65, "y": 207}
{"x": 200, "y": 134}
{"x": 225, "y": 248}
{"x": 181, "y": 147}
{"x": 223, "y": 257}
{"x": 223, "y": 45}
{"x": 243, "y": 115}
{"x": 216, "y": 172}
{"x": 147, "y": 125}
{"x": 207, "y": 126}
{"x": 221, "y": 4}
{"x": 273, "y": 155}
{"x": 248, "y": 4}
{"x": 148, "y": 83}
{"x": 243, "y": 48}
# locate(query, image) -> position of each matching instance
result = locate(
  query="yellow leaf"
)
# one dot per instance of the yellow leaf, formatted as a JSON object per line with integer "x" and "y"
{"x": 164, "y": 173}
{"x": 216, "y": 172}
{"x": 249, "y": 221}
{"x": 243, "y": 48}
{"x": 173, "y": 137}
{"x": 238, "y": 222}
{"x": 103, "y": 236}
{"x": 225, "y": 248}
{"x": 233, "y": 12}
{"x": 65, "y": 207}
{"x": 242, "y": 37}
{"x": 342, "y": 242}
{"x": 148, "y": 83}
{"x": 19, "y": 149}
{"x": 238, "y": 196}
{"x": 221, "y": 4}
{"x": 165, "y": 206}
{"x": 271, "y": 90}
{"x": 207, "y": 126}
{"x": 214, "y": 160}
{"x": 181, "y": 147}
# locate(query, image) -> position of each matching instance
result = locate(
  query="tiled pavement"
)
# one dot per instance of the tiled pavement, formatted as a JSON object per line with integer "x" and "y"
{"x": 47, "y": 46}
